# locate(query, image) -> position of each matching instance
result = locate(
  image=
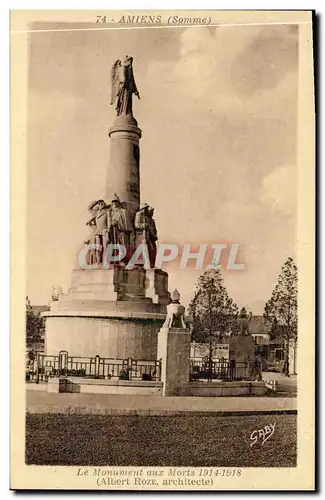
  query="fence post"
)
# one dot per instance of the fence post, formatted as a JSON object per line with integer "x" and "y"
{"x": 158, "y": 369}
{"x": 97, "y": 365}
{"x": 135, "y": 369}
{"x": 38, "y": 362}
{"x": 63, "y": 362}
{"x": 130, "y": 368}
{"x": 125, "y": 366}
{"x": 232, "y": 369}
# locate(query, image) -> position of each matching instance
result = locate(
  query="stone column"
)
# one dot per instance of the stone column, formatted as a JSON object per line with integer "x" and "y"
{"x": 124, "y": 174}
{"x": 241, "y": 351}
{"x": 174, "y": 341}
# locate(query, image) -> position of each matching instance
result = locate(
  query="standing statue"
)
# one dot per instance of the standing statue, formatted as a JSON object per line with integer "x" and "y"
{"x": 123, "y": 86}
{"x": 146, "y": 232}
{"x": 92, "y": 254}
{"x": 121, "y": 229}
{"x": 152, "y": 246}
{"x": 102, "y": 222}
{"x": 103, "y": 225}
{"x": 91, "y": 257}
{"x": 141, "y": 224}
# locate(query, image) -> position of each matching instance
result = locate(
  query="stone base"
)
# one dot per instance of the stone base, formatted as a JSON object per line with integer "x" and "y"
{"x": 222, "y": 389}
{"x": 130, "y": 387}
{"x": 117, "y": 285}
{"x": 115, "y": 313}
{"x": 109, "y": 337}
{"x": 56, "y": 385}
{"x": 126, "y": 124}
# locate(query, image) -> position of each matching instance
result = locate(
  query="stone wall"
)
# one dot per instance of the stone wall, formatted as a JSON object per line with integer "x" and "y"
{"x": 87, "y": 386}
{"x": 214, "y": 389}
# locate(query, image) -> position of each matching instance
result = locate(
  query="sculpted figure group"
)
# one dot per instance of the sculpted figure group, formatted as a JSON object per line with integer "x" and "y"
{"x": 113, "y": 225}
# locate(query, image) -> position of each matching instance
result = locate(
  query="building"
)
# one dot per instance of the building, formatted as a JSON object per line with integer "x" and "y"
{"x": 271, "y": 350}
{"x": 200, "y": 350}
{"x": 260, "y": 331}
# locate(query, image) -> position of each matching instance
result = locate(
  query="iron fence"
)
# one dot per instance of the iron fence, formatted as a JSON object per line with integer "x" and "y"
{"x": 97, "y": 367}
{"x": 220, "y": 369}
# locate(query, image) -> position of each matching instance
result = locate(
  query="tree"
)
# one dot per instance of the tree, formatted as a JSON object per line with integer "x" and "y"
{"x": 212, "y": 312}
{"x": 35, "y": 327}
{"x": 281, "y": 311}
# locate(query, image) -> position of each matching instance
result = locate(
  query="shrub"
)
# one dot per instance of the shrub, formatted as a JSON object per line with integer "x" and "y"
{"x": 124, "y": 375}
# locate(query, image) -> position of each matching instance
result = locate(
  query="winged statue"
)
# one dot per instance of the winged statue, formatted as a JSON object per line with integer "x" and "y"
{"x": 123, "y": 86}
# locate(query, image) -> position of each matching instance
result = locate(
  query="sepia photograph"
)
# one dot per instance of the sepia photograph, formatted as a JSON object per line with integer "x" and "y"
{"x": 165, "y": 298}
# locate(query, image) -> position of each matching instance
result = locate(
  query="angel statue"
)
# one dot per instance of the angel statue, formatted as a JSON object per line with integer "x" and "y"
{"x": 123, "y": 86}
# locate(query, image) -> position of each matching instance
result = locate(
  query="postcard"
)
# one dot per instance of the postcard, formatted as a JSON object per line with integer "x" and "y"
{"x": 163, "y": 242}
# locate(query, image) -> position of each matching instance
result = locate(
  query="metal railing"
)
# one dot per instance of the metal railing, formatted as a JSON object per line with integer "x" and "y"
{"x": 96, "y": 367}
{"x": 220, "y": 369}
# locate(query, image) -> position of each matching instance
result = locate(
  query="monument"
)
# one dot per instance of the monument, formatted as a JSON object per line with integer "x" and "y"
{"x": 112, "y": 310}
{"x": 241, "y": 347}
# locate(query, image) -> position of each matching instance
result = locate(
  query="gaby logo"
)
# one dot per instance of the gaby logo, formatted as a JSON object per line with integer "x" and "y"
{"x": 208, "y": 256}
{"x": 262, "y": 435}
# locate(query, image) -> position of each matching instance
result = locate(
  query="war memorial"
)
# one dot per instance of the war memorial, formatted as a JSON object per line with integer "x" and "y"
{"x": 144, "y": 368}
{"x": 118, "y": 329}
{"x": 118, "y": 383}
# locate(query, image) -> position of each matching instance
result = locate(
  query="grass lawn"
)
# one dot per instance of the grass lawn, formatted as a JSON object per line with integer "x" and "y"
{"x": 212, "y": 441}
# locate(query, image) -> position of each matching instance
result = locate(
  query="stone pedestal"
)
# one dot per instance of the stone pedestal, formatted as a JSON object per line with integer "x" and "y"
{"x": 114, "y": 284}
{"x": 241, "y": 351}
{"x": 109, "y": 312}
{"x": 174, "y": 351}
{"x": 148, "y": 286}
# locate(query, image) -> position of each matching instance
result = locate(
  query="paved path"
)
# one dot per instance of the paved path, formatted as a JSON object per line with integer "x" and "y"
{"x": 43, "y": 402}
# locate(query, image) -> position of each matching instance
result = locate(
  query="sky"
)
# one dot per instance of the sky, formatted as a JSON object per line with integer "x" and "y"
{"x": 218, "y": 113}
